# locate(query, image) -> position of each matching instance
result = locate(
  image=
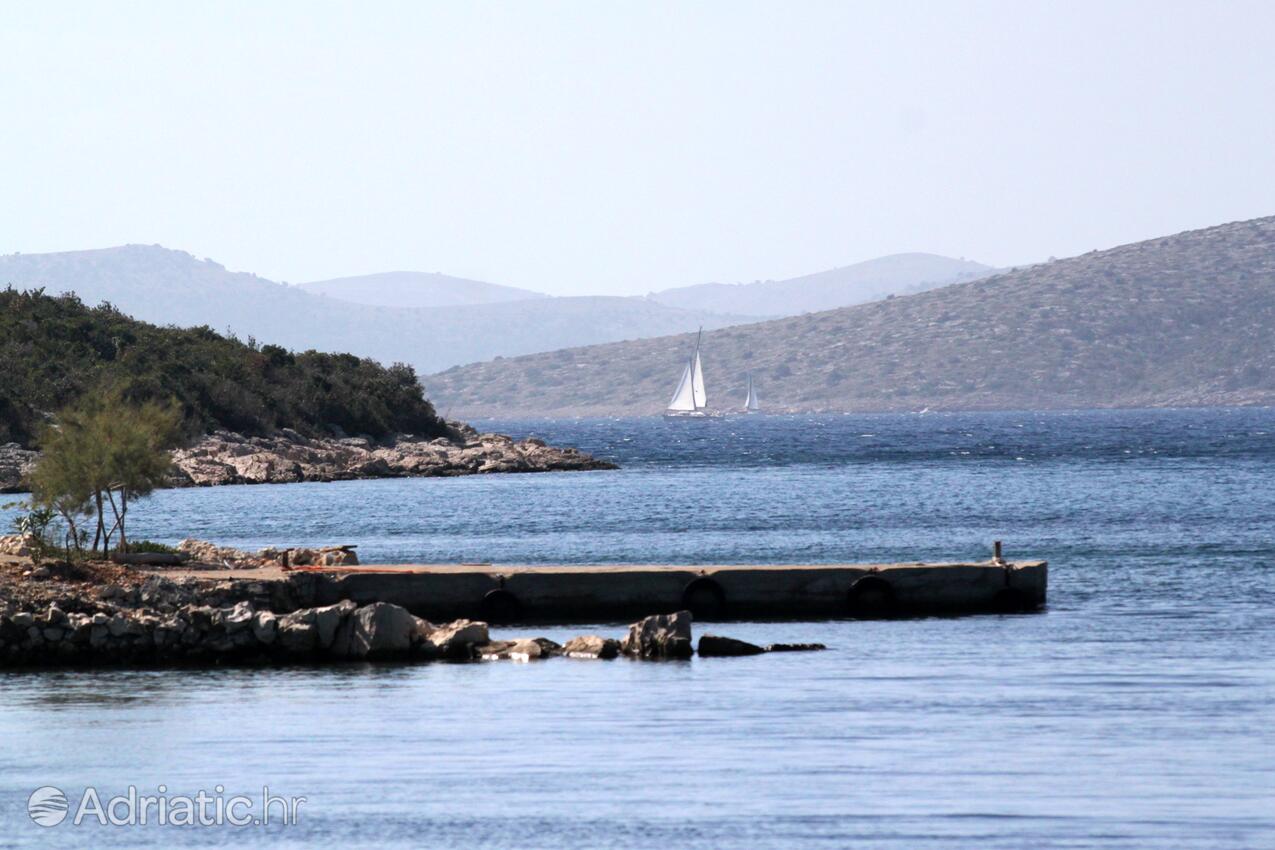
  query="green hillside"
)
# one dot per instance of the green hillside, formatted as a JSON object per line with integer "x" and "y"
{"x": 54, "y": 348}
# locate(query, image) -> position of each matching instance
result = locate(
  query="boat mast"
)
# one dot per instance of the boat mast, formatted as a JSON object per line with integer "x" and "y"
{"x": 694, "y": 358}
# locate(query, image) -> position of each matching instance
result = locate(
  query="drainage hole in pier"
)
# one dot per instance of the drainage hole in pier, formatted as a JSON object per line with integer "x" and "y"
{"x": 501, "y": 606}
{"x": 871, "y": 596}
{"x": 705, "y": 599}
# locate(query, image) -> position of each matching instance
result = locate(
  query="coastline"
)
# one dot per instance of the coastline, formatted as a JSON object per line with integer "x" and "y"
{"x": 224, "y": 457}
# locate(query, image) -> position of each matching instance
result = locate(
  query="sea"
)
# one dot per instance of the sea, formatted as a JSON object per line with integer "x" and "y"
{"x": 1137, "y": 710}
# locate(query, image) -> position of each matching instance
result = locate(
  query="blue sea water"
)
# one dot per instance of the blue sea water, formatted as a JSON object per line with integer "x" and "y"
{"x": 1136, "y": 711}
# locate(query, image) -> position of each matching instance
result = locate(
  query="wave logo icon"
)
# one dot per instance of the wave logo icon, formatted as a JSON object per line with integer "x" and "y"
{"x": 47, "y": 806}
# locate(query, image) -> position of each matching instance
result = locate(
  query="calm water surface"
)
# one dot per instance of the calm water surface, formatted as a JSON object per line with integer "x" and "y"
{"x": 1135, "y": 712}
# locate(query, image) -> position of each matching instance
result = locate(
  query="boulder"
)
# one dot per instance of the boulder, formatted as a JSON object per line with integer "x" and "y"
{"x": 378, "y": 630}
{"x": 660, "y": 636}
{"x": 265, "y": 626}
{"x": 716, "y": 645}
{"x": 238, "y": 618}
{"x": 454, "y": 641}
{"x": 297, "y": 632}
{"x": 329, "y": 619}
{"x": 591, "y": 646}
{"x": 328, "y": 556}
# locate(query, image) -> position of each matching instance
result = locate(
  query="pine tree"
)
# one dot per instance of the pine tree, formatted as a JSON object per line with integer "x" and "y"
{"x": 104, "y": 451}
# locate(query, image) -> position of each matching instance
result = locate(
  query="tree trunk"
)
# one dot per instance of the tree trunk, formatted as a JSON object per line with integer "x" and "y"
{"x": 101, "y": 523}
{"x": 110, "y": 496}
{"x": 69, "y": 519}
{"x": 123, "y": 514}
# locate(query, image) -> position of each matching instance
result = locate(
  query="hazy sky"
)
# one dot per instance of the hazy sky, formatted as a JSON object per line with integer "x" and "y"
{"x": 620, "y": 147}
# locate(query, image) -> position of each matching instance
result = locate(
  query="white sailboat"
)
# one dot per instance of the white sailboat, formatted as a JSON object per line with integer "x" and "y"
{"x": 750, "y": 401}
{"x": 690, "y": 397}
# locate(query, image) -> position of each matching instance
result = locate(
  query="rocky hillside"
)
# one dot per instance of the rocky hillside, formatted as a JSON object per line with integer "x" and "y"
{"x": 1181, "y": 320}
{"x": 897, "y": 274}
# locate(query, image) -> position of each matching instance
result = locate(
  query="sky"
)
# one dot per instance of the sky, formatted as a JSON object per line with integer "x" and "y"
{"x": 619, "y": 148}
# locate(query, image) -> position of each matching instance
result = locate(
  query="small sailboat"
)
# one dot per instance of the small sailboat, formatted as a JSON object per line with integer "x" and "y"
{"x": 750, "y": 401}
{"x": 690, "y": 399}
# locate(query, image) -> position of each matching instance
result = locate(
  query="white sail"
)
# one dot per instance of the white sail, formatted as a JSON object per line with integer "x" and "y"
{"x": 750, "y": 402}
{"x": 684, "y": 396}
{"x": 701, "y": 397}
{"x": 690, "y": 398}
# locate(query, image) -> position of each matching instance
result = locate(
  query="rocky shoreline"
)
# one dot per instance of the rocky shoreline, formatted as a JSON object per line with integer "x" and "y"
{"x": 288, "y": 457}
{"x": 102, "y": 614}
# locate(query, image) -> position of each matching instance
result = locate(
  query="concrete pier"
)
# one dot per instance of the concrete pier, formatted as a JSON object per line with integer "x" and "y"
{"x": 566, "y": 594}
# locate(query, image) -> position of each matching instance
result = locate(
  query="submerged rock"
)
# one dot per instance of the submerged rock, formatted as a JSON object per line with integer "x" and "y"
{"x": 660, "y": 636}
{"x": 715, "y": 645}
{"x": 795, "y": 647}
{"x": 591, "y": 646}
{"x": 522, "y": 649}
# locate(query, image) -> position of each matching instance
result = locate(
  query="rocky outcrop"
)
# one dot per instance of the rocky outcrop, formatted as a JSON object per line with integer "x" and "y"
{"x": 795, "y": 647}
{"x": 226, "y": 458}
{"x": 15, "y": 463}
{"x": 204, "y": 554}
{"x": 18, "y": 545}
{"x": 660, "y": 636}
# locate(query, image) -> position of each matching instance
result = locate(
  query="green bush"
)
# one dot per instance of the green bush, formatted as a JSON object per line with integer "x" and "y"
{"x": 152, "y": 546}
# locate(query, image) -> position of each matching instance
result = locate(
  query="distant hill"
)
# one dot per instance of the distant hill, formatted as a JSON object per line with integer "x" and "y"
{"x": 163, "y": 286}
{"x": 1181, "y": 320}
{"x": 897, "y": 274}
{"x": 416, "y": 289}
